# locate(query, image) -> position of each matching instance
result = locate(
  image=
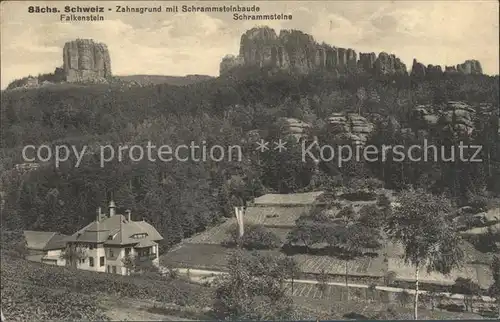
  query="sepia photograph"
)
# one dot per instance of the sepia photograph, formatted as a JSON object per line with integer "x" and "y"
{"x": 250, "y": 160}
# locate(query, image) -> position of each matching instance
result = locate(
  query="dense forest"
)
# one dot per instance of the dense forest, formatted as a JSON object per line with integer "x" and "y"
{"x": 182, "y": 198}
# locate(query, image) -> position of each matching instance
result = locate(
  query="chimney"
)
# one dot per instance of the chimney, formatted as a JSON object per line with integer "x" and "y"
{"x": 128, "y": 212}
{"x": 112, "y": 208}
{"x": 99, "y": 214}
{"x": 239, "y": 219}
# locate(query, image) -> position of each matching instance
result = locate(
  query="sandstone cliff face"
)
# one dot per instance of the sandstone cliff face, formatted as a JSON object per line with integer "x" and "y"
{"x": 450, "y": 69}
{"x": 366, "y": 61}
{"x": 469, "y": 67}
{"x": 294, "y": 127}
{"x": 434, "y": 70}
{"x": 86, "y": 60}
{"x": 455, "y": 116}
{"x": 418, "y": 69}
{"x": 459, "y": 116}
{"x": 292, "y": 50}
{"x": 388, "y": 64}
{"x": 298, "y": 52}
{"x": 350, "y": 127}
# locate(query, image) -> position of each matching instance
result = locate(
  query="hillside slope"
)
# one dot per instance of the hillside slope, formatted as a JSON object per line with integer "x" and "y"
{"x": 161, "y": 79}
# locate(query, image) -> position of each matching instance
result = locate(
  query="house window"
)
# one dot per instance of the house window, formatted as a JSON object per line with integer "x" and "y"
{"x": 101, "y": 261}
{"x": 108, "y": 269}
{"x": 114, "y": 269}
{"x": 127, "y": 251}
{"x": 82, "y": 261}
{"x": 91, "y": 246}
{"x": 91, "y": 261}
{"x": 111, "y": 254}
{"x": 145, "y": 252}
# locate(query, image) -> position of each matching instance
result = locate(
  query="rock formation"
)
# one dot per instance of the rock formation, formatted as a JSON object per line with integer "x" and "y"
{"x": 450, "y": 69}
{"x": 294, "y": 127}
{"x": 470, "y": 67}
{"x": 350, "y": 127}
{"x": 366, "y": 61}
{"x": 424, "y": 116}
{"x": 254, "y": 136}
{"x": 434, "y": 70}
{"x": 86, "y": 60}
{"x": 387, "y": 64}
{"x": 418, "y": 69}
{"x": 458, "y": 116}
{"x": 454, "y": 116}
{"x": 298, "y": 52}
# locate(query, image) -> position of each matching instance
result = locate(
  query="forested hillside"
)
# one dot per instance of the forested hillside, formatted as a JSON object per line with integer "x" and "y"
{"x": 181, "y": 198}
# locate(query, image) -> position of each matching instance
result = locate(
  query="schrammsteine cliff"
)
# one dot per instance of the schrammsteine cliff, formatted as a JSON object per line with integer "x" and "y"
{"x": 298, "y": 52}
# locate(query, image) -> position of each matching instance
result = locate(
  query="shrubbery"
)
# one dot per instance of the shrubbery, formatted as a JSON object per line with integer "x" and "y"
{"x": 254, "y": 237}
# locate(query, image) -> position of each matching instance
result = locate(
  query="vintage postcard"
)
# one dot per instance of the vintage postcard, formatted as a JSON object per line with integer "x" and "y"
{"x": 239, "y": 160}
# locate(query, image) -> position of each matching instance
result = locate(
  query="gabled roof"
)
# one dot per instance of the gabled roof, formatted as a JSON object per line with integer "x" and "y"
{"x": 37, "y": 239}
{"x": 292, "y": 199}
{"x": 116, "y": 230}
{"x": 44, "y": 240}
{"x": 56, "y": 242}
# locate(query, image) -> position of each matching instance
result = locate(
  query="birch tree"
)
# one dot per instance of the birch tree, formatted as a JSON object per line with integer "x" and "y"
{"x": 429, "y": 240}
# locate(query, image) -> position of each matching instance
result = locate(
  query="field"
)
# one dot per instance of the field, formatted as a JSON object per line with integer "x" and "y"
{"x": 326, "y": 309}
{"x": 214, "y": 257}
{"x": 219, "y": 234}
{"x": 205, "y": 256}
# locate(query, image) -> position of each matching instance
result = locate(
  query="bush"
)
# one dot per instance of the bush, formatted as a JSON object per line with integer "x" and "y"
{"x": 255, "y": 237}
{"x": 359, "y": 196}
{"x": 404, "y": 298}
{"x": 469, "y": 288}
{"x": 390, "y": 278}
{"x": 479, "y": 204}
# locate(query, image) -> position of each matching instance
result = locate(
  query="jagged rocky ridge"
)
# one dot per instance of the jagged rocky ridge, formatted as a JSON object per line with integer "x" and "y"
{"x": 298, "y": 52}
{"x": 469, "y": 67}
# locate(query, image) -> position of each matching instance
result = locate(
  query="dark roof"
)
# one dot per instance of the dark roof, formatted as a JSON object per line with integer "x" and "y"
{"x": 44, "y": 240}
{"x": 58, "y": 241}
{"x": 116, "y": 230}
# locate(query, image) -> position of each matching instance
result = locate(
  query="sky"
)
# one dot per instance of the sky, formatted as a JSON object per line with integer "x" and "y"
{"x": 434, "y": 32}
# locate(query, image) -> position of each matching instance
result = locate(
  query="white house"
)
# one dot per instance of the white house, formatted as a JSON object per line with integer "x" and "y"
{"x": 111, "y": 237}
